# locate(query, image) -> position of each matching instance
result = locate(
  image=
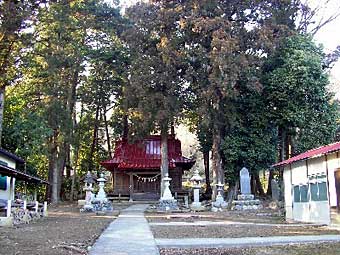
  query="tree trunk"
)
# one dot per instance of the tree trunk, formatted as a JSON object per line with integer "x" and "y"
{"x": 76, "y": 155}
{"x": 216, "y": 161}
{"x": 270, "y": 178}
{"x": 164, "y": 155}
{"x": 74, "y": 176}
{"x": 2, "y": 105}
{"x": 107, "y": 133}
{"x": 53, "y": 175}
{"x": 94, "y": 139}
{"x": 232, "y": 193}
{"x": 258, "y": 184}
{"x": 282, "y": 156}
{"x": 208, "y": 190}
{"x": 125, "y": 127}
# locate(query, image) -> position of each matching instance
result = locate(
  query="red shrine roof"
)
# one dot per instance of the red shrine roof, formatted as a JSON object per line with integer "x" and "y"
{"x": 316, "y": 152}
{"x": 146, "y": 154}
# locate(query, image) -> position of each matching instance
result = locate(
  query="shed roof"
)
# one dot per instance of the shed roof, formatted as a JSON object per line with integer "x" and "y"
{"x": 11, "y": 156}
{"x": 316, "y": 152}
{"x": 8, "y": 171}
{"x": 146, "y": 154}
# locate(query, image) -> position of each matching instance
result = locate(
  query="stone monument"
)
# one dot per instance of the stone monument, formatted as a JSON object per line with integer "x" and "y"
{"x": 246, "y": 200}
{"x": 245, "y": 181}
{"x": 196, "y": 181}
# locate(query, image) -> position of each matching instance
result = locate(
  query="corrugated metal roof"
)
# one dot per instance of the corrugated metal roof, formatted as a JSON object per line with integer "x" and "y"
{"x": 12, "y": 156}
{"x": 311, "y": 154}
{"x": 8, "y": 171}
{"x": 146, "y": 154}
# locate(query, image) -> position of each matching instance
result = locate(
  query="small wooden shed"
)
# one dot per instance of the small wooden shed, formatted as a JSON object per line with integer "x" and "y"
{"x": 312, "y": 185}
{"x": 136, "y": 167}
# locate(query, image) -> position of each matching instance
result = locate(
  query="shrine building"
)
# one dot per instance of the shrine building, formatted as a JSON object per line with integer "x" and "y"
{"x": 136, "y": 167}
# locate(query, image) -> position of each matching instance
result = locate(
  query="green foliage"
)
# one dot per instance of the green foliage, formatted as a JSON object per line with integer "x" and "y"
{"x": 25, "y": 131}
{"x": 295, "y": 91}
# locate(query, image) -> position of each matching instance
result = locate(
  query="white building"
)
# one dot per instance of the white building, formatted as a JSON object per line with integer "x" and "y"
{"x": 9, "y": 174}
{"x": 312, "y": 185}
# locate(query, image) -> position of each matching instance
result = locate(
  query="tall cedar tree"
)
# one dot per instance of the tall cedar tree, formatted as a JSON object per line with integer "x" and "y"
{"x": 156, "y": 93}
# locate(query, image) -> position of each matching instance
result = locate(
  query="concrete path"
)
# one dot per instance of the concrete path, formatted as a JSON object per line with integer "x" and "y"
{"x": 243, "y": 241}
{"x": 128, "y": 234}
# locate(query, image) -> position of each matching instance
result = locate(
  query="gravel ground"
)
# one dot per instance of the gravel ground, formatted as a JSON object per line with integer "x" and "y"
{"x": 64, "y": 231}
{"x": 232, "y": 231}
{"x": 302, "y": 249}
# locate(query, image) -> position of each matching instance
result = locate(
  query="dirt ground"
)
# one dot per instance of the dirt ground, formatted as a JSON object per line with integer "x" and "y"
{"x": 234, "y": 231}
{"x": 64, "y": 231}
{"x": 302, "y": 249}
{"x": 264, "y": 216}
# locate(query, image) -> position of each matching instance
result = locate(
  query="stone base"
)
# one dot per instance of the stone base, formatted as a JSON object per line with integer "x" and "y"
{"x": 220, "y": 203}
{"x": 81, "y": 202}
{"x": 102, "y": 206}
{"x": 167, "y": 205}
{"x": 245, "y": 197}
{"x": 246, "y": 202}
{"x": 197, "y": 206}
{"x": 87, "y": 208}
{"x": 6, "y": 221}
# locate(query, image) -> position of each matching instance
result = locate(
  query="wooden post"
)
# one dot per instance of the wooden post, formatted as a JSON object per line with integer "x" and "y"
{"x": 131, "y": 187}
{"x": 9, "y": 208}
{"x": 114, "y": 180}
{"x": 25, "y": 204}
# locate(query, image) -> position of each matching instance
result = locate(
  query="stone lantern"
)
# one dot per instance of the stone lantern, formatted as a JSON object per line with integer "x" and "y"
{"x": 167, "y": 201}
{"x": 219, "y": 204}
{"x": 167, "y": 193}
{"x": 196, "y": 181}
{"x": 101, "y": 196}
{"x": 88, "y": 188}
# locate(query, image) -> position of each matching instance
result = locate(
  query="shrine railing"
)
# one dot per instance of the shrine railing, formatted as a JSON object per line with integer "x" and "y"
{"x": 21, "y": 212}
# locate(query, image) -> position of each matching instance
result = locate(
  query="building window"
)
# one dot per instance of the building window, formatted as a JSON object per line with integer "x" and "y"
{"x": 304, "y": 193}
{"x": 297, "y": 194}
{"x": 301, "y": 193}
{"x": 3, "y": 182}
{"x": 319, "y": 191}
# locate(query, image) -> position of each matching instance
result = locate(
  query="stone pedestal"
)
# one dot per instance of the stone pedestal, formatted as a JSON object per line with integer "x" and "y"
{"x": 246, "y": 202}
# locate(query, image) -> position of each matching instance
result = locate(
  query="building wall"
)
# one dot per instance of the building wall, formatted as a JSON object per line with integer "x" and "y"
{"x": 307, "y": 195}
{"x": 288, "y": 192}
{"x": 333, "y": 163}
{"x": 9, "y": 192}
